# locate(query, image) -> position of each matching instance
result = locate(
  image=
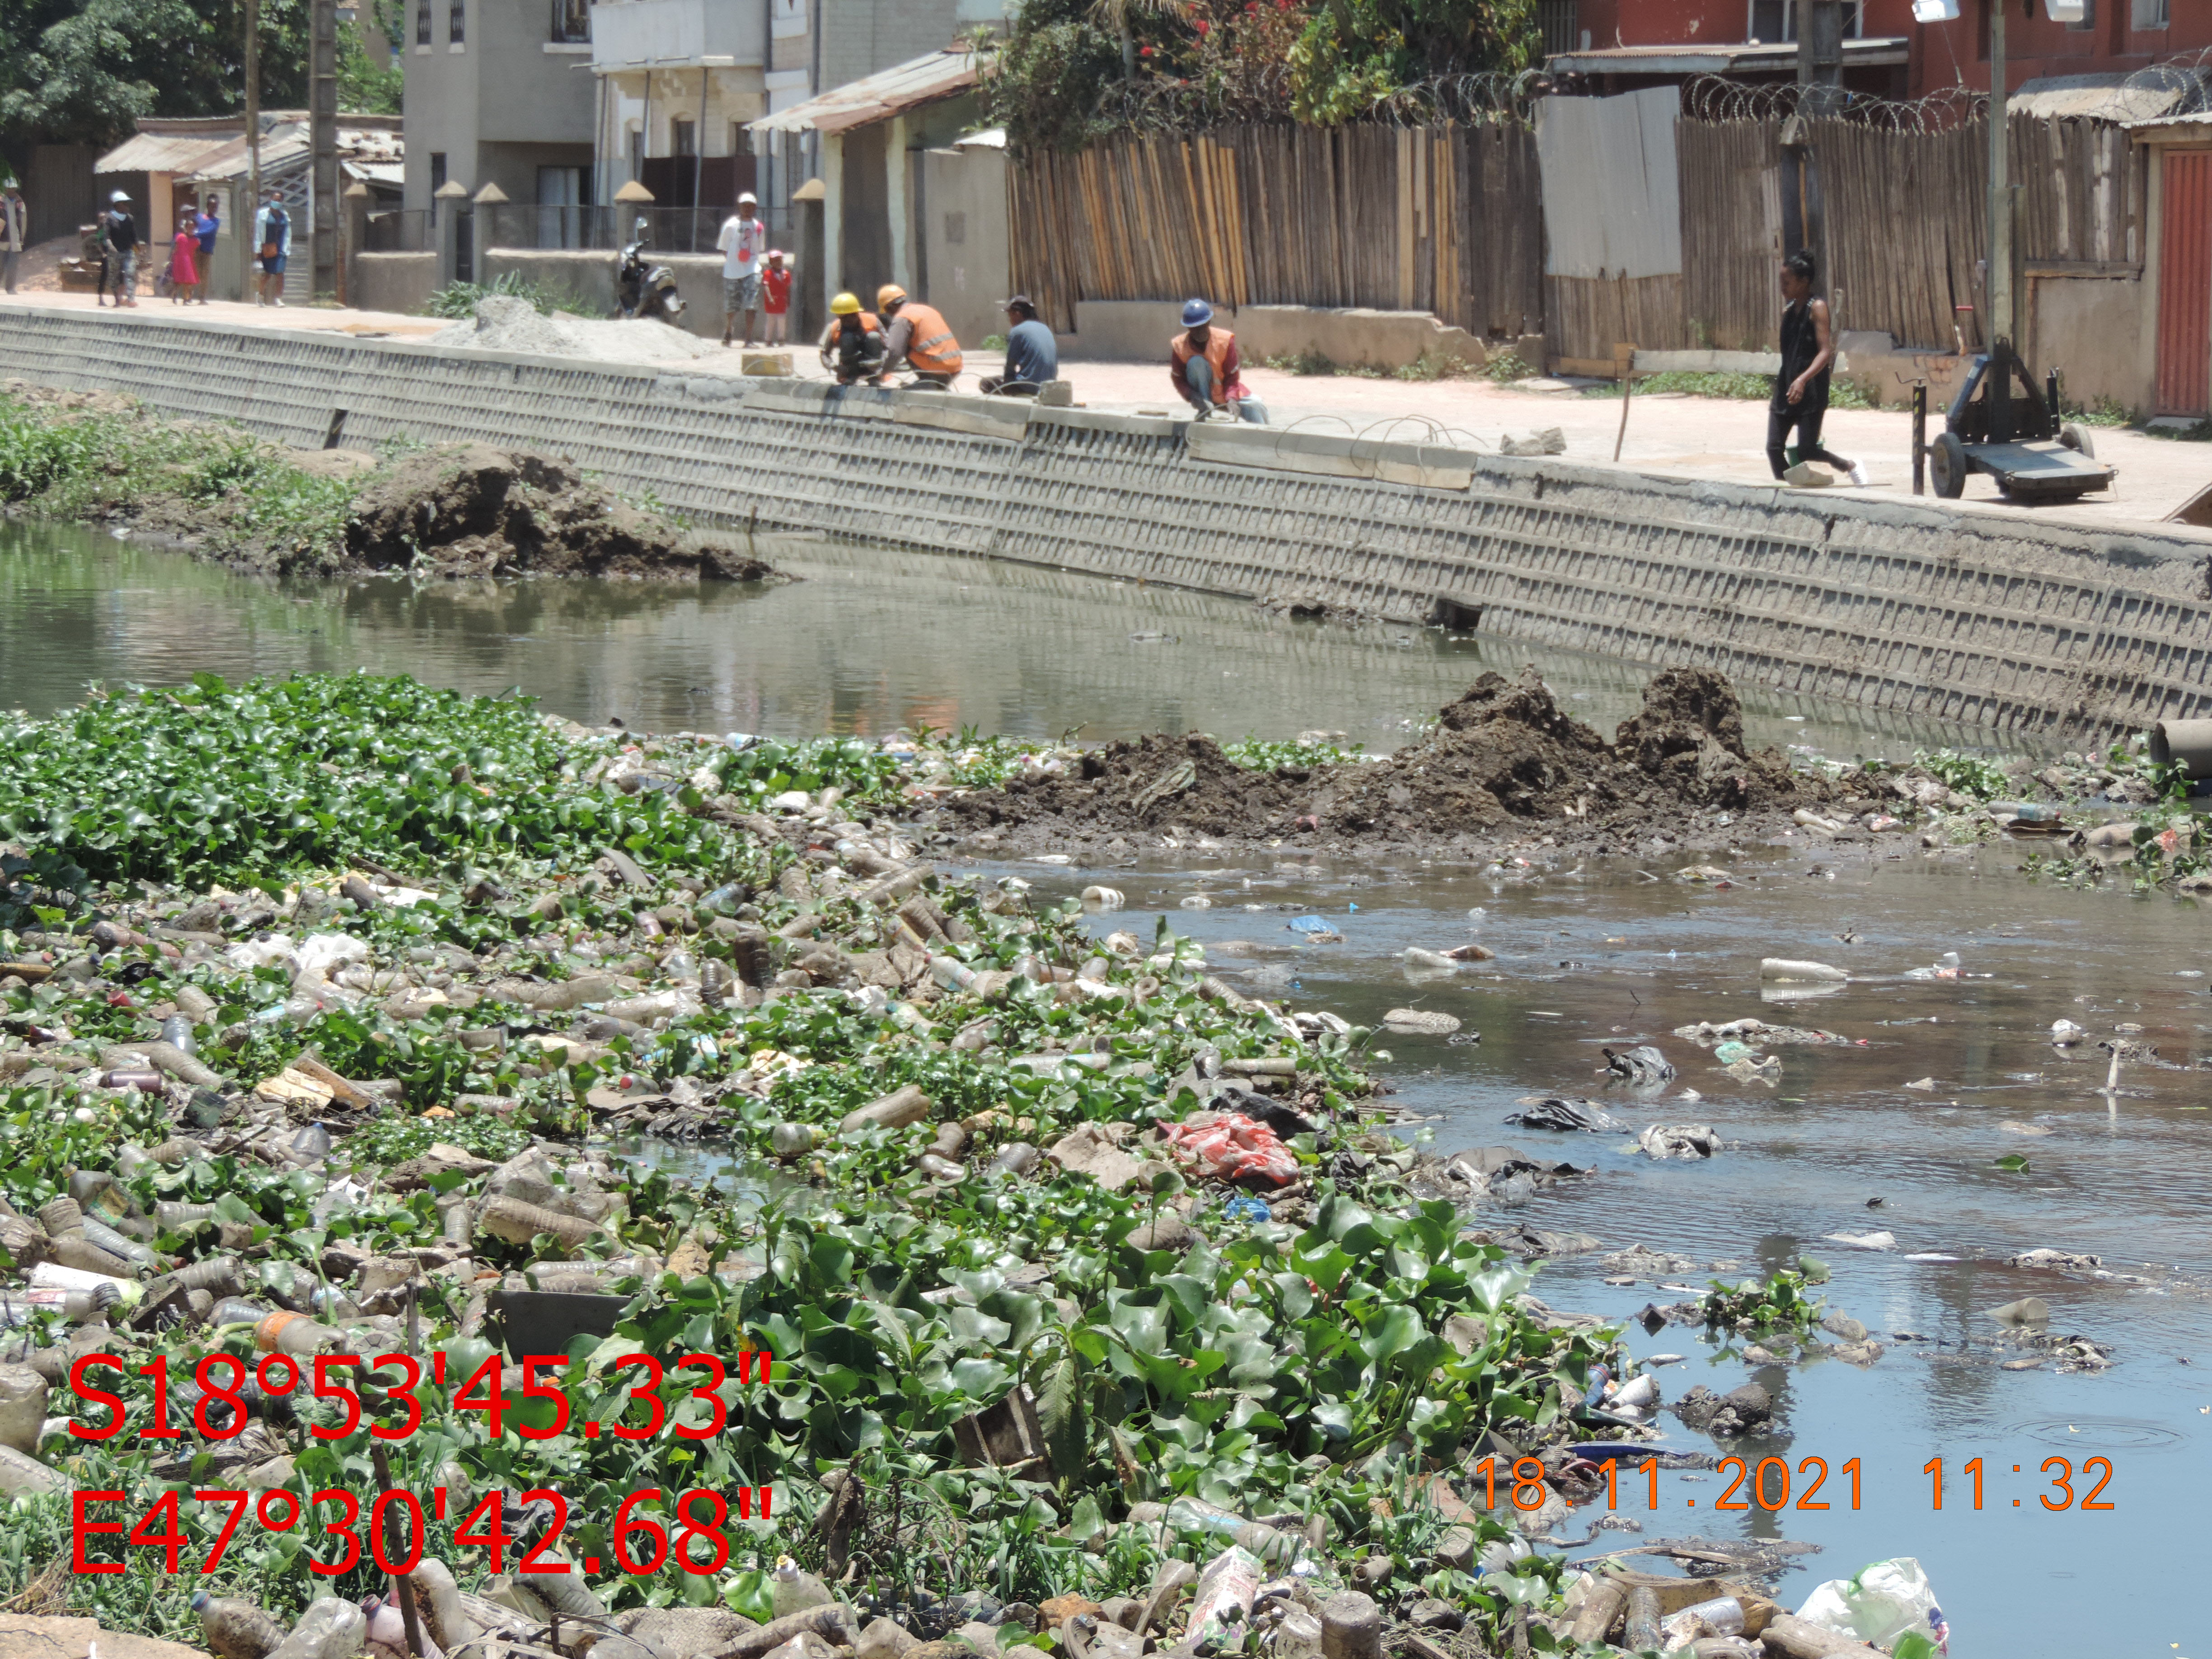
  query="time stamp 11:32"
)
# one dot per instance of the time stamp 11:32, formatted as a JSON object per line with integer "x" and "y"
{"x": 1769, "y": 1483}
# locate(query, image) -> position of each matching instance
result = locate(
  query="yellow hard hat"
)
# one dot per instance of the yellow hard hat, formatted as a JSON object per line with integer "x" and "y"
{"x": 845, "y": 305}
{"x": 888, "y": 295}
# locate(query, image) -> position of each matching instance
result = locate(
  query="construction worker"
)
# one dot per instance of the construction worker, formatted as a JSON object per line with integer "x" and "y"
{"x": 1203, "y": 368}
{"x": 852, "y": 344}
{"x": 919, "y": 339}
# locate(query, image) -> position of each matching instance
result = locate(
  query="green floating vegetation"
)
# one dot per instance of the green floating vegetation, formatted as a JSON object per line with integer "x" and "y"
{"x": 579, "y": 937}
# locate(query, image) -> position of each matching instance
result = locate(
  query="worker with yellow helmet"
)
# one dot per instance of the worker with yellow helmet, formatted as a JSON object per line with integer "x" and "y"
{"x": 919, "y": 339}
{"x": 852, "y": 344}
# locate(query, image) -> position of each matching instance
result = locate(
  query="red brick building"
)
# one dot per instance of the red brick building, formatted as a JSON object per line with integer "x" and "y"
{"x": 1631, "y": 43}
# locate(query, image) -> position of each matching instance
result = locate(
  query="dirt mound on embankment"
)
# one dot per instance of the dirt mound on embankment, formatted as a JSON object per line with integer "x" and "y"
{"x": 1503, "y": 760}
{"x": 472, "y": 510}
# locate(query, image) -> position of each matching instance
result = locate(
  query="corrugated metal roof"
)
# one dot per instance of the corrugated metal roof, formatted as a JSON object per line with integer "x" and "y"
{"x": 1719, "y": 58}
{"x": 877, "y": 97}
{"x": 161, "y": 152}
{"x": 2110, "y": 97}
{"x": 217, "y": 149}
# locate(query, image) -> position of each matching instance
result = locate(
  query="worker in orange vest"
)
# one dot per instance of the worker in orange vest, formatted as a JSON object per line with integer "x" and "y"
{"x": 1203, "y": 368}
{"x": 918, "y": 336}
{"x": 852, "y": 344}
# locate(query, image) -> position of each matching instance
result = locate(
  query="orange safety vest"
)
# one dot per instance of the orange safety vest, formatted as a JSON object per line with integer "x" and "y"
{"x": 1218, "y": 342}
{"x": 930, "y": 348}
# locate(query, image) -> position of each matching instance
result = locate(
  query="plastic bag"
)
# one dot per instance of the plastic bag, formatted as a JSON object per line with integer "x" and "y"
{"x": 1228, "y": 1146}
{"x": 1885, "y": 1603}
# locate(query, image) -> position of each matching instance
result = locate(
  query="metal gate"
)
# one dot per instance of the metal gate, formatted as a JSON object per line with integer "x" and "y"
{"x": 2184, "y": 285}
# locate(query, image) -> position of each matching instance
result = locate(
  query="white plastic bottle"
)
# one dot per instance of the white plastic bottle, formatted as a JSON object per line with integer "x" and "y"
{"x": 329, "y": 1629}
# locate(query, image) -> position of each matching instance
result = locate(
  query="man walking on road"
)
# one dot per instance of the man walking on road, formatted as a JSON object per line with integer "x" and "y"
{"x": 119, "y": 243}
{"x": 1801, "y": 390}
{"x": 15, "y": 232}
{"x": 272, "y": 243}
{"x": 743, "y": 241}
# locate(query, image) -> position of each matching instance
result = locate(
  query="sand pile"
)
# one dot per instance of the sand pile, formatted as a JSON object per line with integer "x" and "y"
{"x": 503, "y": 323}
{"x": 472, "y": 510}
{"x": 1503, "y": 757}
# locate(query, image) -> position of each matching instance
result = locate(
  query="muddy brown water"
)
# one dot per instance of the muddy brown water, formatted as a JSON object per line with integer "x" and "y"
{"x": 1588, "y": 957}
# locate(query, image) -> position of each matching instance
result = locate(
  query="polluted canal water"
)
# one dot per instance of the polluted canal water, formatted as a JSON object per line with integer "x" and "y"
{"x": 1910, "y": 1168}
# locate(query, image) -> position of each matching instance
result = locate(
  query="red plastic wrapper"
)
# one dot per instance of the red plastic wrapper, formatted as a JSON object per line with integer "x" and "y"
{"x": 1227, "y": 1146}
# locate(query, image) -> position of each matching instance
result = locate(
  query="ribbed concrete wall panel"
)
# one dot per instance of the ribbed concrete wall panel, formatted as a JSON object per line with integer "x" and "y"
{"x": 2002, "y": 620}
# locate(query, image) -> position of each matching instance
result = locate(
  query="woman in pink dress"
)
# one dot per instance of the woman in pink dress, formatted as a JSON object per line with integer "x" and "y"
{"x": 184, "y": 260}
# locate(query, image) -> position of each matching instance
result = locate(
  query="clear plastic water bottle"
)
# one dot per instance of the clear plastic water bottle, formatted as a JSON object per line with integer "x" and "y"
{"x": 794, "y": 1589}
{"x": 329, "y": 1629}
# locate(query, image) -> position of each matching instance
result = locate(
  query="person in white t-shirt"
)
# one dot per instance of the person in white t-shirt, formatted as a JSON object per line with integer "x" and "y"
{"x": 743, "y": 241}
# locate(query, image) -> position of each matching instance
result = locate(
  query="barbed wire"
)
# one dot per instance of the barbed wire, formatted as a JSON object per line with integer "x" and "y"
{"x": 1716, "y": 99}
{"x": 1182, "y": 108}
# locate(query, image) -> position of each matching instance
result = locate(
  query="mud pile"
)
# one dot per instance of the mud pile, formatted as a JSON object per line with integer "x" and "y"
{"x": 1506, "y": 751}
{"x": 1503, "y": 757}
{"x": 472, "y": 510}
{"x": 1157, "y": 783}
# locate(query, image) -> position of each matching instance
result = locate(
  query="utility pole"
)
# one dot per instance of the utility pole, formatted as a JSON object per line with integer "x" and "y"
{"x": 2003, "y": 209}
{"x": 323, "y": 144}
{"x": 244, "y": 231}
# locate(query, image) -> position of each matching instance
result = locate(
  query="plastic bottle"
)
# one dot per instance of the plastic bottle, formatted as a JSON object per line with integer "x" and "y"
{"x": 1722, "y": 1616}
{"x": 239, "y": 1310}
{"x": 329, "y": 1629}
{"x": 236, "y": 1628}
{"x": 295, "y": 1333}
{"x": 177, "y": 1033}
{"x": 437, "y": 1599}
{"x": 22, "y": 1408}
{"x": 792, "y": 1590}
{"x": 175, "y": 1217}
{"x": 311, "y": 1143}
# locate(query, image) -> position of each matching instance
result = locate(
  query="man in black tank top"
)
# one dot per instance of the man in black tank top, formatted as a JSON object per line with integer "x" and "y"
{"x": 1801, "y": 390}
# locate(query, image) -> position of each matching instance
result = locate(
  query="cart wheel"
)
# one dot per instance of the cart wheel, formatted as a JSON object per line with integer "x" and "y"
{"x": 2073, "y": 436}
{"x": 1947, "y": 466}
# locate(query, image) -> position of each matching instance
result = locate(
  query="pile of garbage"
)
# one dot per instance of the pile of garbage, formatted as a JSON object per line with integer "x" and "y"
{"x": 330, "y": 1011}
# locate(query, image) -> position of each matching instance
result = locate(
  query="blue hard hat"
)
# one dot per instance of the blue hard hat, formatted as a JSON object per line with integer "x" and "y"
{"x": 1196, "y": 311}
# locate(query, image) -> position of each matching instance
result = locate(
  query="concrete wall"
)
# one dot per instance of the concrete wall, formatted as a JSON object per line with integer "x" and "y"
{"x": 1138, "y": 331}
{"x": 2091, "y": 331}
{"x": 394, "y": 281}
{"x": 498, "y": 104}
{"x": 2032, "y": 623}
{"x": 591, "y": 275}
{"x": 963, "y": 267}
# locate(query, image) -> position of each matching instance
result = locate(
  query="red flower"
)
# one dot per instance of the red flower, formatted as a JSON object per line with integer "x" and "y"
{"x": 1201, "y": 26}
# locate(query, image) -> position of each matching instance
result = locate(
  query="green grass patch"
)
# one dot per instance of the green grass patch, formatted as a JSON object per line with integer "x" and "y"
{"x": 458, "y": 299}
{"x": 94, "y": 464}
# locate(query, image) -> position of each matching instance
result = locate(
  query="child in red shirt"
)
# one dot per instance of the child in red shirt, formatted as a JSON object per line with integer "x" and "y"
{"x": 775, "y": 299}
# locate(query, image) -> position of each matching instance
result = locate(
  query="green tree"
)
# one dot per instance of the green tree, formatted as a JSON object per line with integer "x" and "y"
{"x": 83, "y": 71}
{"x": 1044, "y": 83}
{"x": 1353, "y": 54}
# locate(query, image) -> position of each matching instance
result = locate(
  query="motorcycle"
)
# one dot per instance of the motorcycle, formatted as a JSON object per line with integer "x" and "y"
{"x": 643, "y": 291}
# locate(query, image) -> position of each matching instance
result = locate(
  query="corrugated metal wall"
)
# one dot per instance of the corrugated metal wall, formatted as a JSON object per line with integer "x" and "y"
{"x": 2184, "y": 284}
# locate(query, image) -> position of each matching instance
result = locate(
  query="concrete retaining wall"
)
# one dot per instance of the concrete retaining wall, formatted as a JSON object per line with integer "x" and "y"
{"x": 1138, "y": 331}
{"x": 1991, "y": 618}
{"x": 394, "y": 281}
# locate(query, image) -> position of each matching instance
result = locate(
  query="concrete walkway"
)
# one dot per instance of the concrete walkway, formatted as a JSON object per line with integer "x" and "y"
{"x": 1669, "y": 433}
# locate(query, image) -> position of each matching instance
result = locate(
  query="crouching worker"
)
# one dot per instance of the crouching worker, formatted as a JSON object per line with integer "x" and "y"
{"x": 852, "y": 344}
{"x": 1204, "y": 368}
{"x": 918, "y": 338}
{"x": 1032, "y": 354}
